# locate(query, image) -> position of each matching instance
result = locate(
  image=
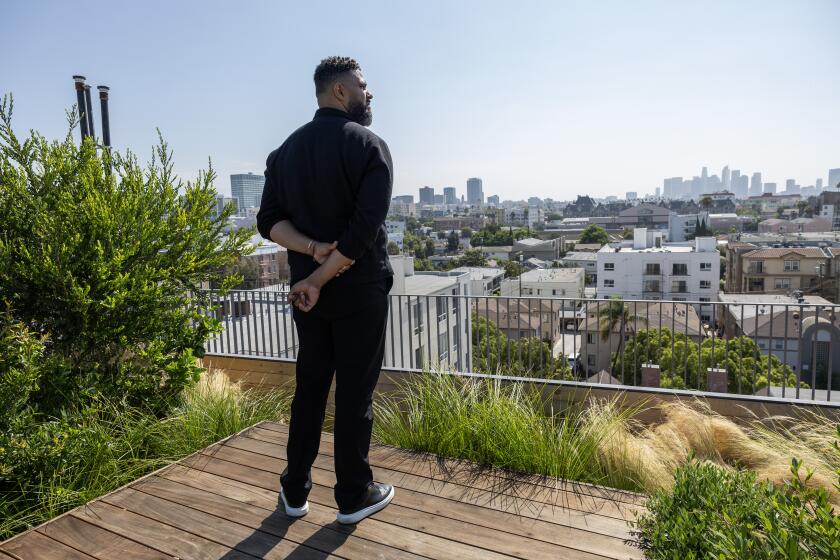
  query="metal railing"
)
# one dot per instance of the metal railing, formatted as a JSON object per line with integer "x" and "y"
{"x": 773, "y": 349}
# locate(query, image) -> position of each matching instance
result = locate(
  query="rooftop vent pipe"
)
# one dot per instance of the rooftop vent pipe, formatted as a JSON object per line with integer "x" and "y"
{"x": 80, "y": 101}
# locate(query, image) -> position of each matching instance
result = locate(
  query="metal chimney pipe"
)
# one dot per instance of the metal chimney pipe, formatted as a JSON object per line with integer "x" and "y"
{"x": 80, "y": 100}
{"x": 106, "y": 123}
{"x": 89, "y": 105}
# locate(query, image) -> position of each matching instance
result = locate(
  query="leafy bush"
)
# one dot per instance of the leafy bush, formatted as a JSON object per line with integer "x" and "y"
{"x": 717, "y": 513}
{"x": 21, "y": 354}
{"x": 106, "y": 259}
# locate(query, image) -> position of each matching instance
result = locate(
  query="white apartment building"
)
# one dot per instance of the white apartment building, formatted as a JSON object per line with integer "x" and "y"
{"x": 649, "y": 268}
{"x": 484, "y": 280}
{"x": 549, "y": 282}
{"x": 428, "y": 323}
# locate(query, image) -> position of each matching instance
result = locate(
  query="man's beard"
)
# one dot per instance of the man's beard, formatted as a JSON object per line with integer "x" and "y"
{"x": 361, "y": 114}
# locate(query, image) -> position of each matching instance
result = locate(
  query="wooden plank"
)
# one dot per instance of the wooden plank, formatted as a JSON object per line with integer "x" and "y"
{"x": 97, "y": 542}
{"x": 154, "y": 534}
{"x": 317, "y": 529}
{"x": 36, "y": 546}
{"x": 587, "y": 510}
{"x": 498, "y": 484}
{"x": 577, "y": 533}
{"x": 222, "y": 530}
{"x": 414, "y": 541}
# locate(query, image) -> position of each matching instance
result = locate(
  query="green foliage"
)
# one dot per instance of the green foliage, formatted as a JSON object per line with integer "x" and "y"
{"x": 677, "y": 356}
{"x": 594, "y": 234}
{"x": 48, "y": 466}
{"x": 107, "y": 259}
{"x": 717, "y": 513}
{"x": 452, "y": 242}
{"x": 494, "y": 353}
{"x": 21, "y": 357}
{"x": 494, "y": 236}
{"x": 499, "y": 424}
{"x": 471, "y": 257}
{"x": 512, "y": 268}
{"x": 393, "y": 248}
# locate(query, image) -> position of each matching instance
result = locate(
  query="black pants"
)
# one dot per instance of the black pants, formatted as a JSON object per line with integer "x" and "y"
{"x": 344, "y": 333}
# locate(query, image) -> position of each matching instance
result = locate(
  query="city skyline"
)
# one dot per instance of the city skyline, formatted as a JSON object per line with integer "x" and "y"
{"x": 557, "y": 107}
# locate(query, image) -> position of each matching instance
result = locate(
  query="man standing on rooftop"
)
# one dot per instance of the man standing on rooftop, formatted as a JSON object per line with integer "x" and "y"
{"x": 327, "y": 192}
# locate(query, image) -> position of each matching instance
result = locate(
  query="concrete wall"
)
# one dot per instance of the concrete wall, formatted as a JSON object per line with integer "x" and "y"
{"x": 270, "y": 373}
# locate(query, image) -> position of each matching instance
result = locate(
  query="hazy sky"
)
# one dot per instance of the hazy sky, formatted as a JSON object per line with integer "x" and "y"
{"x": 548, "y": 99}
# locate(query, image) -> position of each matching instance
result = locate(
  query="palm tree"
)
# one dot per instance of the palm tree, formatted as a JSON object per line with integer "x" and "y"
{"x": 617, "y": 313}
{"x": 706, "y": 202}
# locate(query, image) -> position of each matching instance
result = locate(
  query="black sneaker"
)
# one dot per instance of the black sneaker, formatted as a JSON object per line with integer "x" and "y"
{"x": 293, "y": 511}
{"x": 378, "y": 496}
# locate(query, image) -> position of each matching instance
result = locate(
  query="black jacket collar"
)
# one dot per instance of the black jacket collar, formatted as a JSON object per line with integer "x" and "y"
{"x": 330, "y": 112}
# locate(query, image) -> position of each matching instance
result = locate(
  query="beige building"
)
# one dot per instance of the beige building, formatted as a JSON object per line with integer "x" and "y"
{"x": 798, "y": 225}
{"x": 778, "y": 270}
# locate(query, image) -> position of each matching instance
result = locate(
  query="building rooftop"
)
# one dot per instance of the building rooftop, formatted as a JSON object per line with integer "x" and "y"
{"x": 421, "y": 284}
{"x": 479, "y": 272}
{"x": 581, "y": 256}
{"x": 552, "y": 275}
{"x": 532, "y": 241}
{"x": 776, "y": 252}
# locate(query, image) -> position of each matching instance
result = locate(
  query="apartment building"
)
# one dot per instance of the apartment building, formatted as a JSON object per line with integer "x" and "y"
{"x": 779, "y": 270}
{"x": 649, "y": 268}
{"x": 543, "y": 249}
{"x": 484, "y": 280}
{"x": 583, "y": 259}
{"x": 428, "y": 323}
{"x": 550, "y": 282}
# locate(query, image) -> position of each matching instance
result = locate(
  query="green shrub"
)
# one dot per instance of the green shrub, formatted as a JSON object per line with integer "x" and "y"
{"x": 50, "y": 466}
{"x": 717, "y": 513}
{"x": 107, "y": 259}
{"x": 21, "y": 354}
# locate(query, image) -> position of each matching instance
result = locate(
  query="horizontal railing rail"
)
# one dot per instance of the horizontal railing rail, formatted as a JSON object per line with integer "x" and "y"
{"x": 772, "y": 349}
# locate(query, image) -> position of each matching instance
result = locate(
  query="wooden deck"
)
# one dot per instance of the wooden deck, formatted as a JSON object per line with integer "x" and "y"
{"x": 222, "y": 503}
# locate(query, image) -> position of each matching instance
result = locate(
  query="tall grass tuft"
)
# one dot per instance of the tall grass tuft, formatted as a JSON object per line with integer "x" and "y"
{"x": 108, "y": 445}
{"x": 505, "y": 425}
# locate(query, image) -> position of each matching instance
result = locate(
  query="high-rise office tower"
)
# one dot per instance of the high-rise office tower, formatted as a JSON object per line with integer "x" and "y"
{"x": 427, "y": 195}
{"x": 755, "y": 184}
{"x": 494, "y": 200}
{"x": 833, "y": 178}
{"x": 770, "y": 188}
{"x": 439, "y": 199}
{"x": 819, "y": 184}
{"x": 475, "y": 191}
{"x": 405, "y": 198}
{"x": 724, "y": 177}
{"x": 734, "y": 179}
{"x": 790, "y": 185}
{"x": 449, "y": 195}
{"x": 631, "y": 195}
{"x": 247, "y": 189}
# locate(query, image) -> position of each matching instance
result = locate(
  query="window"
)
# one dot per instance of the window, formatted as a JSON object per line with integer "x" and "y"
{"x": 782, "y": 283}
{"x": 609, "y": 283}
{"x": 705, "y": 284}
{"x": 705, "y": 267}
{"x": 652, "y": 269}
{"x": 590, "y": 338}
{"x": 705, "y": 299}
{"x": 679, "y": 286}
{"x": 590, "y": 359}
{"x": 443, "y": 345}
{"x": 705, "y": 318}
{"x": 792, "y": 266}
{"x": 756, "y": 267}
{"x": 440, "y": 303}
{"x": 609, "y": 266}
{"x": 679, "y": 270}
{"x": 652, "y": 286}
{"x": 417, "y": 317}
{"x": 778, "y": 344}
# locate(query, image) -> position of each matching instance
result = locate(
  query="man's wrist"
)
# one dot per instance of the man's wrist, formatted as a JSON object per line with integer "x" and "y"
{"x": 310, "y": 247}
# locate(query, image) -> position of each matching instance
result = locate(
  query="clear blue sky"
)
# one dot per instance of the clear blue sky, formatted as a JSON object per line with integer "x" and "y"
{"x": 548, "y": 99}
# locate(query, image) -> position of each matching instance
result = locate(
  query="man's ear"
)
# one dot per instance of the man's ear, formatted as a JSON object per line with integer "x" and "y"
{"x": 338, "y": 90}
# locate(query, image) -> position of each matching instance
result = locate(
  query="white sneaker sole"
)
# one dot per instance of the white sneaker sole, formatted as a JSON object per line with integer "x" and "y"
{"x": 356, "y": 516}
{"x": 293, "y": 511}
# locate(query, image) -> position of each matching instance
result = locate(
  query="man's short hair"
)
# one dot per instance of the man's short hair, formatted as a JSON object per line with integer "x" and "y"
{"x": 331, "y": 68}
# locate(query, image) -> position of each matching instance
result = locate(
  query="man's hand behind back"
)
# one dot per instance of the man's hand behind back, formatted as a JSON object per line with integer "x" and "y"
{"x": 304, "y": 295}
{"x": 322, "y": 252}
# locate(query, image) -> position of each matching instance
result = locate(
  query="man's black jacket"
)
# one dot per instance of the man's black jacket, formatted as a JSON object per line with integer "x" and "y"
{"x": 332, "y": 179}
